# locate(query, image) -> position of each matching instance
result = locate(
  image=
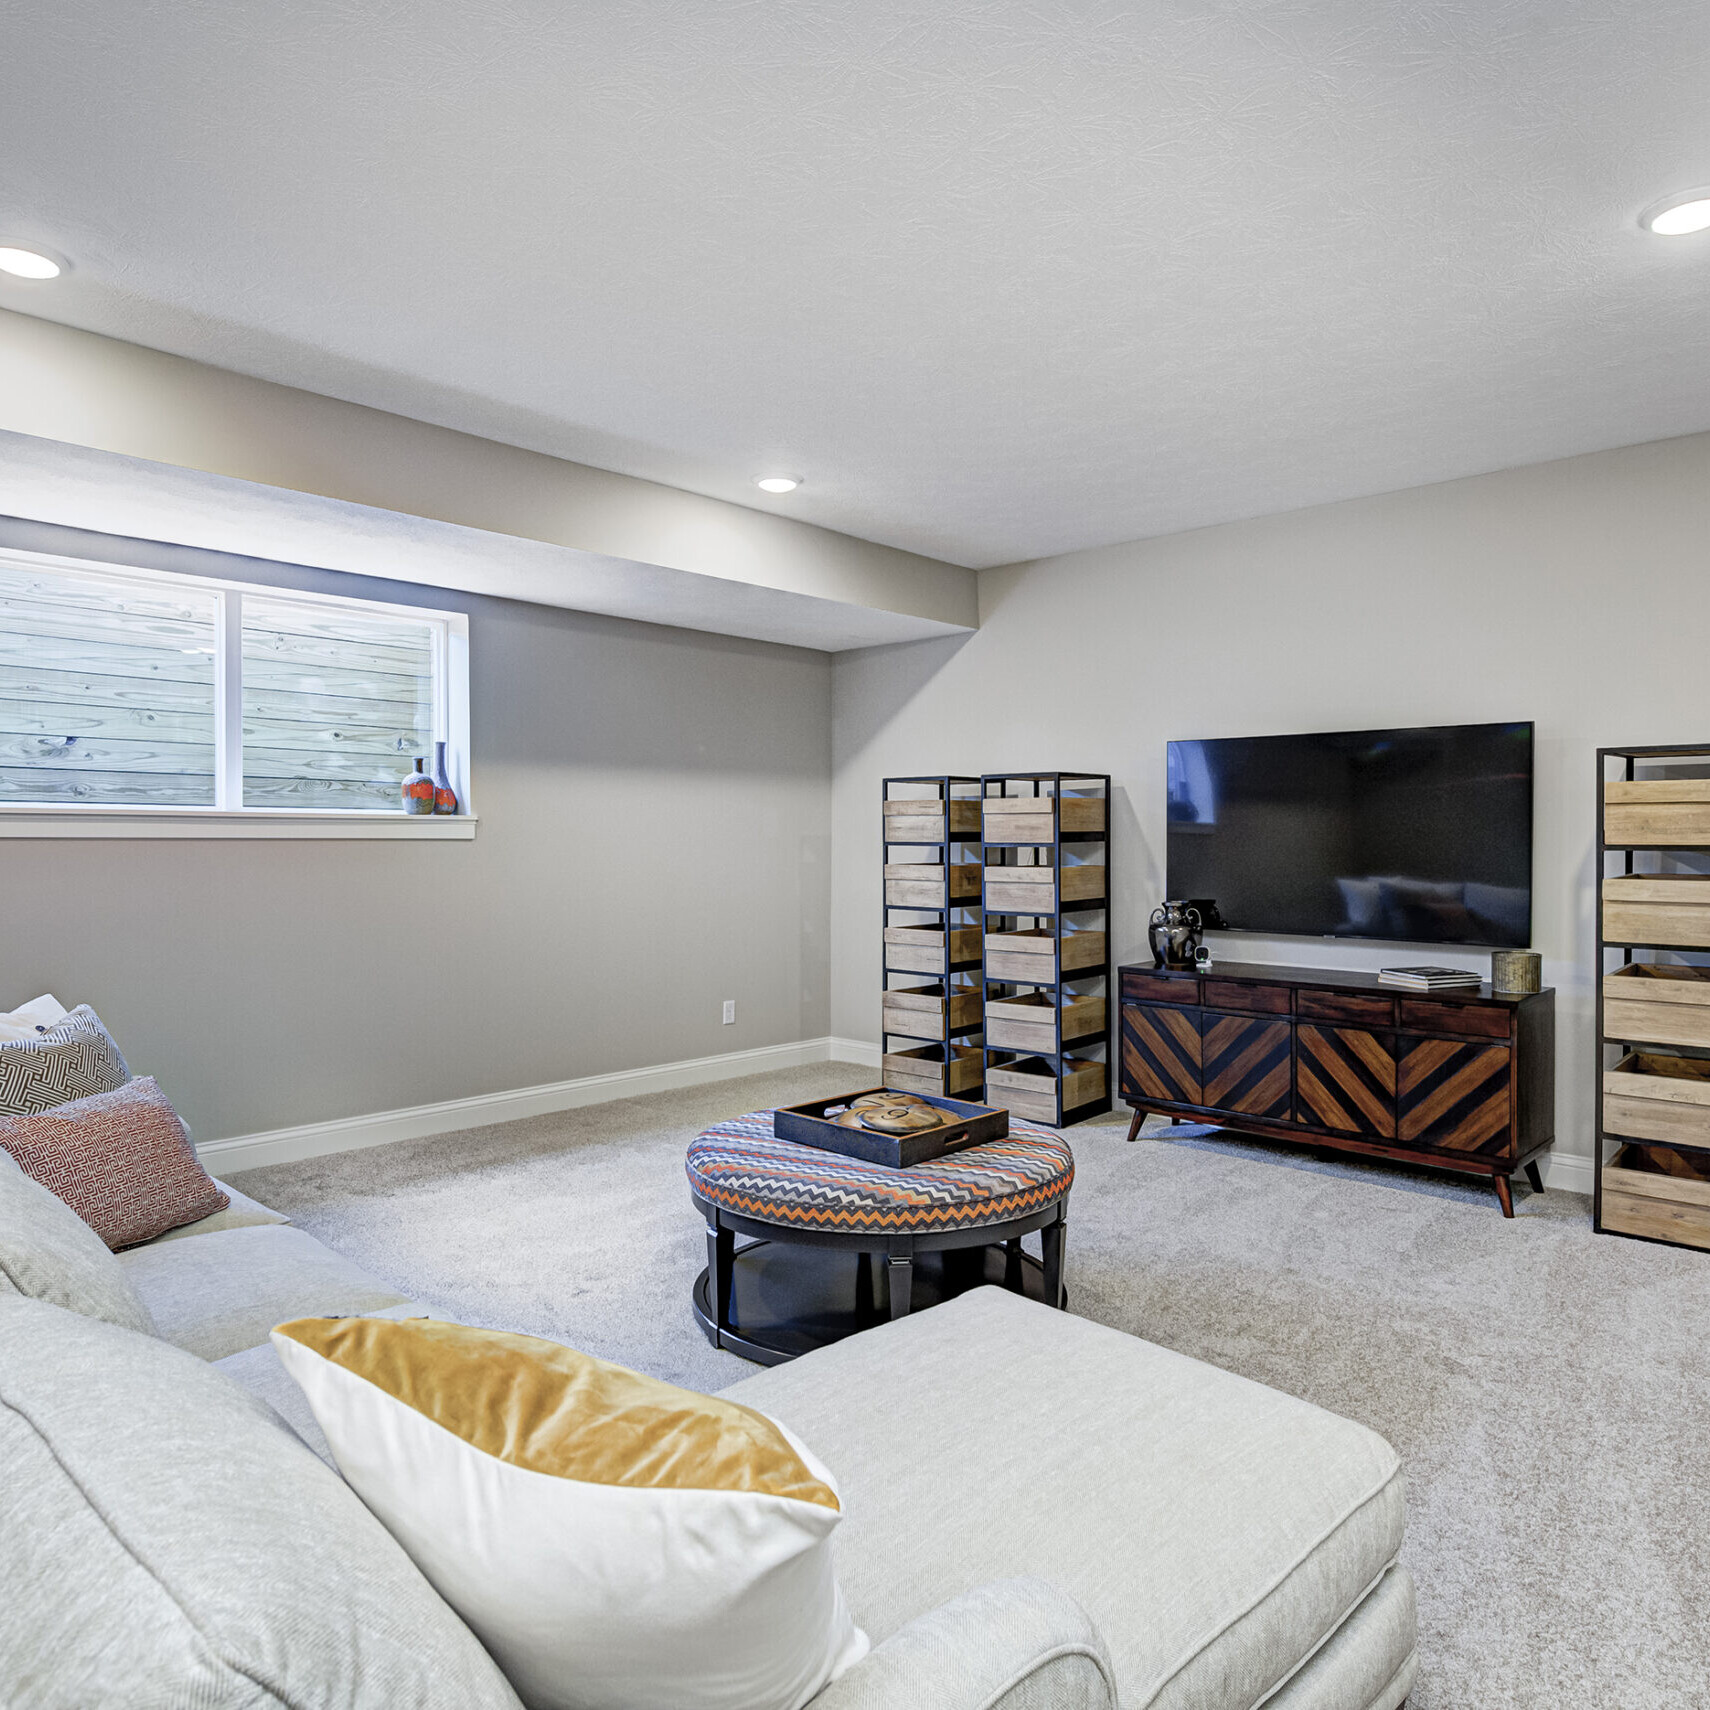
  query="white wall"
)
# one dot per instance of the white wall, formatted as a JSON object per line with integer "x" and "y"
{"x": 653, "y": 838}
{"x": 1574, "y": 593}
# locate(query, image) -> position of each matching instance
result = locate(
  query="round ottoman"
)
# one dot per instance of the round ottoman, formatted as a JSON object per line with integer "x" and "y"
{"x": 818, "y": 1219}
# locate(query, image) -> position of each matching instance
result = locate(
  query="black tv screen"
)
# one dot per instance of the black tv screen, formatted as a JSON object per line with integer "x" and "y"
{"x": 1422, "y": 836}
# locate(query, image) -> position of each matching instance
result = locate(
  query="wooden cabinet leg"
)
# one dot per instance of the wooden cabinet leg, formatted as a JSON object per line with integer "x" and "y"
{"x": 1134, "y": 1126}
{"x": 1535, "y": 1176}
{"x": 1504, "y": 1194}
{"x": 1053, "y": 1237}
{"x": 899, "y": 1267}
{"x": 721, "y": 1259}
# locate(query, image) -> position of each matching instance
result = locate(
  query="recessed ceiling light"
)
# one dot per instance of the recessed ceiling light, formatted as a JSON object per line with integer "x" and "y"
{"x": 24, "y": 263}
{"x": 777, "y": 483}
{"x": 1678, "y": 216}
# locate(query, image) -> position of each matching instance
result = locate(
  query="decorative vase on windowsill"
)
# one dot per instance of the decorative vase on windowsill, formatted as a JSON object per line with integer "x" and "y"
{"x": 417, "y": 790}
{"x": 444, "y": 796}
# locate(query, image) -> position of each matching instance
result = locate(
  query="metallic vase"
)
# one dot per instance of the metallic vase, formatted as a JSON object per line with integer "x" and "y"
{"x": 1514, "y": 973}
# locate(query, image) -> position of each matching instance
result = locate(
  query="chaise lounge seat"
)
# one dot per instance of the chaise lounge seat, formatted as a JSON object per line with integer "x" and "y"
{"x": 1041, "y": 1513}
{"x": 1230, "y": 1543}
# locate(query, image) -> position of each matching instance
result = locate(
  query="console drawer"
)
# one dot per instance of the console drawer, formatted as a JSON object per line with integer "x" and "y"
{"x": 1249, "y": 998}
{"x": 1346, "y": 1006}
{"x": 1161, "y": 988}
{"x": 1467, "y": 1020}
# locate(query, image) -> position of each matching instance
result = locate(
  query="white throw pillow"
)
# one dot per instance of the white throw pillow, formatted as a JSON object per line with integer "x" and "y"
{"x": 31, "y": 1020}
{"x": 615, "y": 1542}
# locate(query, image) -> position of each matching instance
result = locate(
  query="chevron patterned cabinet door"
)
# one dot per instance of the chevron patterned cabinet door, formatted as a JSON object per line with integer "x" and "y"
{"x": 1160, "y": 1053}
{"x": 1244, "y": 1065}
{"x": 1345, "y": 1078}
{"x": 1455, "y": 1096}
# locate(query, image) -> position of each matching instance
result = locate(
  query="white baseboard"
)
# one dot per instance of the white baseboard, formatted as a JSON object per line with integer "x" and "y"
{"x": 862, "y": 1051}
{"x": 1567, "y": 1171}
{"x": 347, "y": 1133}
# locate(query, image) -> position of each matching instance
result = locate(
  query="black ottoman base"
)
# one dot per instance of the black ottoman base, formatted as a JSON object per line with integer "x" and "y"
{"x": 787, "y": 1297}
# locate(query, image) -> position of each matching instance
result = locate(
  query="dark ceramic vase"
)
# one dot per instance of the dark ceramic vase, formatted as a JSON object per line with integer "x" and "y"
{"x": 1174, "y": 934}
{"x": 444, "y": 796}
{"x": 418, "y": 790}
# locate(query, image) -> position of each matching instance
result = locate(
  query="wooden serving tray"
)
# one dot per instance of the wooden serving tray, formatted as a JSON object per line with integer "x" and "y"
{"x": 806, "y": 1124}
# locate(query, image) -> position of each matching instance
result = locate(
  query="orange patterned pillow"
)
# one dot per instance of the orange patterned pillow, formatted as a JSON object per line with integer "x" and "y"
{"x": 121, "y": 1160}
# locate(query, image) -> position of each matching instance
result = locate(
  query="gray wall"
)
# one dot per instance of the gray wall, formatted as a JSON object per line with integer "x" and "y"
{"x": 654, "y": 808}
{"x": 1573, "y": 593}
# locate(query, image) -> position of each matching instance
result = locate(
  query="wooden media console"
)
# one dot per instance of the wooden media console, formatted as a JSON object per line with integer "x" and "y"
{"x": 1461, "y": 1080}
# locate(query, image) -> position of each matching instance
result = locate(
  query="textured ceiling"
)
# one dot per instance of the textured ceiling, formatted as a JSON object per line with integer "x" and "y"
{"x": 1000, "y": 277}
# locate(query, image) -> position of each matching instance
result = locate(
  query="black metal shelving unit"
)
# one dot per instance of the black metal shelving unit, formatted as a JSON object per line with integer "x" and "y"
{"x": 1665, "y": 1162}
{"x": 1047, "y": 1080}
{"x": 956, "y": 846}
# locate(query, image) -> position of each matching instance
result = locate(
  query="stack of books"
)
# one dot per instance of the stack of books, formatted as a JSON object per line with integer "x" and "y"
{"x": 1429, "y": 979}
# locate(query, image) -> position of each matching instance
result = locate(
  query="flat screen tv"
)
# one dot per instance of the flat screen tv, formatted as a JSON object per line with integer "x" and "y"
{"x": 1418, "y": 836}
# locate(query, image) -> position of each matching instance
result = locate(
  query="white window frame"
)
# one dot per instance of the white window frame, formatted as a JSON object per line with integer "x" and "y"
{"x": 228, "y": 817}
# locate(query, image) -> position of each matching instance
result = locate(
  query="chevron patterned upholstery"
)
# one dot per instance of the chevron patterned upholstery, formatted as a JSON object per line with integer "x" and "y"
{"x": 743, "y": 1167}
{"x": 75, "y": 1058}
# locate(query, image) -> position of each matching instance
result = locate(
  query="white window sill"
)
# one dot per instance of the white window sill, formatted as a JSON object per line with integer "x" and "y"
{"x": 326, "y": 824}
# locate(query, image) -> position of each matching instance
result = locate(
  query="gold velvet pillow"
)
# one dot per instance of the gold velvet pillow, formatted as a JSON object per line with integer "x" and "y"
{"x": 549, "y": 1409}
{"x": 613, "y": 1540}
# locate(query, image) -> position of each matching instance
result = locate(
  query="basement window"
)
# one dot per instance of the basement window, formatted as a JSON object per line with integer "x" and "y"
{"x": 141, "y": 703}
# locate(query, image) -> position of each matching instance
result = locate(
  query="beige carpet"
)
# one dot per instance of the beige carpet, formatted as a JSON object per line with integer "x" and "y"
{"x": 1548, "y": 1389}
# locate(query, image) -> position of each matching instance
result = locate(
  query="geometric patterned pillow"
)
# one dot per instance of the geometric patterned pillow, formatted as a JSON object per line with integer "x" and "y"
{"x": 121, "y": 1160}
{"x": 75, "y": 1058}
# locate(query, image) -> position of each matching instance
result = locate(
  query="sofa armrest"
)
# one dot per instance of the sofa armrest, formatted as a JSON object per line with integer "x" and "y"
{"x": 1016, "y": 1644}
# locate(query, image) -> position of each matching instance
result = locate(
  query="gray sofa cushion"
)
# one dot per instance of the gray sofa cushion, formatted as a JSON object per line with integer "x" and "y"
{"x": 259, "y": 1371}
{"x": 1216, "y": 1531}
{"x": 164, "y": 1540}
{"x": 75, "y": 1058}
{"x": 1369, "y": 1662}
{"x": 221, "y": 1293}
{"x": 242, "y": 1213}
{"x": 47, "y": 1252}
{"x": 1020, "y": 1644}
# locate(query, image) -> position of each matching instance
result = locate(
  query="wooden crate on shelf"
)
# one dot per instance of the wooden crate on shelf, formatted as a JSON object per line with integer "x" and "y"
{"x": 1657, "y": 813}
{"x": 1028, "y": 1022}
{"x": 1650, "y": 1003}
{"x": 921, "y": 949}
{"x": 1656, "y": 908}
{"x": 923, "y": 821}
{"x": 1028, "y": 1086}
{"x": 1659, "y": 1193}
{"x": 1042, "y": 889}
{"x": 930, "y": 1012}
{"x": 1652, "y": 1097}
{"x": 1030, "y": 819}
{"x": 923, "y": 1070}
{"x": 1029, "y": 958}
{"x": 920, "y": 884}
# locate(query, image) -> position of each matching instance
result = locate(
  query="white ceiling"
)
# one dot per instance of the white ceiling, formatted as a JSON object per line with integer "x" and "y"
{"x": 1000, "y": 277}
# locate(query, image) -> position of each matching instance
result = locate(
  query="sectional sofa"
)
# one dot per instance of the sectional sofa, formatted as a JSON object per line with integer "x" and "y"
{"x": 1041, "y": 1513}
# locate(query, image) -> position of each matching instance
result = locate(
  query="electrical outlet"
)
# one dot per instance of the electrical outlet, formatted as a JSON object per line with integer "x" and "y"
{"x": 729, "y": 1011}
